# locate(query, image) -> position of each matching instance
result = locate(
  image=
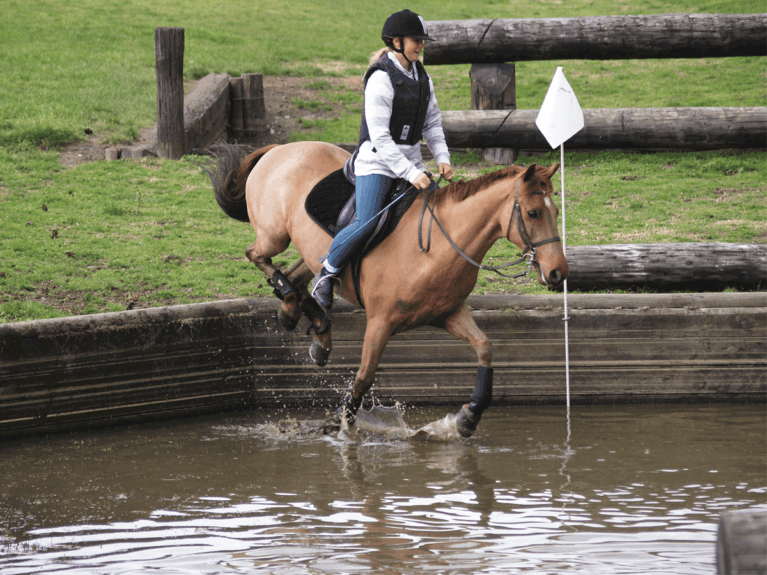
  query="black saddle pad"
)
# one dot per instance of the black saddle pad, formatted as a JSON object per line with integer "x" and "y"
{"x": 328, "y": 199}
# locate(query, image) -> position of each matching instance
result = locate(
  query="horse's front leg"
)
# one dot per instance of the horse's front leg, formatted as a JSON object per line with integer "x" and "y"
{"x": 377, "y": 335}
{"x": 462, "y": 325}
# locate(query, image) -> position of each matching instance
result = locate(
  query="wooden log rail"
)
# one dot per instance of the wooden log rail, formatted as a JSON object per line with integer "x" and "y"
{"x": 133, "y": 366}
{"x": 636, "y": 128}
{"x": 691, "y": 266}
{"x": 596, "y": 38}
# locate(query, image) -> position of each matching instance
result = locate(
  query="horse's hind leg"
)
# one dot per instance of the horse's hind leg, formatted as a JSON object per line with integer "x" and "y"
{"x": 293, "y": 279}
{"x": 300, "y": 275}
{"x": 290, "y": 312}
{"x": 462, "y": 325}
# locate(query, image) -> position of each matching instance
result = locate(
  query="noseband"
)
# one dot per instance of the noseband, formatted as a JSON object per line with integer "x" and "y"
{"x": 528, "y": 254}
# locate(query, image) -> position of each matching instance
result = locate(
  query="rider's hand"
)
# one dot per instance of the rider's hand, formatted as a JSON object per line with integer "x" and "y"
{"x": 446, "y": 171}
{"x": 421, "y": 182}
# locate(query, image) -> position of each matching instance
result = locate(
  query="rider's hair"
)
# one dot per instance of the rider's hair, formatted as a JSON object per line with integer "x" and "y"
{"x": 375, "y": 56}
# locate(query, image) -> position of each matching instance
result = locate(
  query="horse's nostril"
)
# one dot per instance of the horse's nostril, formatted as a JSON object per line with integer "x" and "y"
{"x": 555, "y": 277}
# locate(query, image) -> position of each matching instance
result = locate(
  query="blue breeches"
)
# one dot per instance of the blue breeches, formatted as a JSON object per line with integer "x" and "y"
{"x": 370, "y": 192}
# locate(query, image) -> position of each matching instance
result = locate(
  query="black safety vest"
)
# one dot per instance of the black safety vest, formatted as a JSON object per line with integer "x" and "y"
{"x": 411, "y": 100}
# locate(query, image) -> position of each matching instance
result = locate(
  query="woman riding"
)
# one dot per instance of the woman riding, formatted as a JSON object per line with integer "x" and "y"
{"x": 399, "y": 109}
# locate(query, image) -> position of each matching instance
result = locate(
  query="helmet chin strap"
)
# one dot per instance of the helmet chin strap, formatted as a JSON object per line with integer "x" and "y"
{"x": 401, "y": 49}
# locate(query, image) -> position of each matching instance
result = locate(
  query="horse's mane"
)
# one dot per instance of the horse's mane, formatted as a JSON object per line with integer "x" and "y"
{"x": 460, "y": 190}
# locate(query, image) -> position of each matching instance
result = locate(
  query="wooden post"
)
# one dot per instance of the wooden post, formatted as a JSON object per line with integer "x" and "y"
{"x": 741, "y": 544}
{"x": 494, "y": 87}
{"x": 169, "y": 56}
{"x": 253, "y": 106}
{"x": 247, "y": 106}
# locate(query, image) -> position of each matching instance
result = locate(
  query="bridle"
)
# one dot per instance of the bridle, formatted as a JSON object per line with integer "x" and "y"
{"x": 528, "y": 254}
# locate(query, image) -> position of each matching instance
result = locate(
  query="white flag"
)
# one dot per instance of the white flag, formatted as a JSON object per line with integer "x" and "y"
{"x": 560, "y": 117}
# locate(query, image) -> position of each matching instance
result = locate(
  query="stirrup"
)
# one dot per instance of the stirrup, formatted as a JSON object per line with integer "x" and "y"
{"x": 322, "y": 292}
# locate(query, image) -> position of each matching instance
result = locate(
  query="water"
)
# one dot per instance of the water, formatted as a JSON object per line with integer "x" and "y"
{"x": 635, "y": 489}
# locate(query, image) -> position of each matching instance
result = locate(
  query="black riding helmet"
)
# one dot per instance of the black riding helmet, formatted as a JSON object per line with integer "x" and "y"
{"x": 401, "y": 24}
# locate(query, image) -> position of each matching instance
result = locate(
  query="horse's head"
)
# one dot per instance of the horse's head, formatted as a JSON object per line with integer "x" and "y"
{"x": 533, "y": 224}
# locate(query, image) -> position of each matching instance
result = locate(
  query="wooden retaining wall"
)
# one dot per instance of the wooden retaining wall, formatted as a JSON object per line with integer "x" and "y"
{"x": 124, "y": 367}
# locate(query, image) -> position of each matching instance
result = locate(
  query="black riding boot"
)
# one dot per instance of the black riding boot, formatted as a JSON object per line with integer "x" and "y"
{"x": 323, "y": 288}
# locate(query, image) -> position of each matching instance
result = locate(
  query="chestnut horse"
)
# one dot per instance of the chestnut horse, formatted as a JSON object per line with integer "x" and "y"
{"x": 401, "y": 287}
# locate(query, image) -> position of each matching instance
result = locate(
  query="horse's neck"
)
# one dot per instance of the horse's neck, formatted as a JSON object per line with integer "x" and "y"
{"x": 477, "y": 219}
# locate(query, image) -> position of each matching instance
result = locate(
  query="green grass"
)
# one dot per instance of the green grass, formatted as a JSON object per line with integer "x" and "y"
{"x": 125, "y": 232}
{"x": 149, "y": 232}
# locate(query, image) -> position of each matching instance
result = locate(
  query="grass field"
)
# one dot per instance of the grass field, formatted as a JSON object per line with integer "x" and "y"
{"x": 106, "y": 236}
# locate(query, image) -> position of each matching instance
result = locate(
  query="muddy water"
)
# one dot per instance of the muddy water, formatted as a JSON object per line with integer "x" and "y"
{"x": 633, "y": 490}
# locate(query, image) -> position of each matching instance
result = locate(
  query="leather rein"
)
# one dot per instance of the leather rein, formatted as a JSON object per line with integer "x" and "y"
{"x": 528, "y": 254}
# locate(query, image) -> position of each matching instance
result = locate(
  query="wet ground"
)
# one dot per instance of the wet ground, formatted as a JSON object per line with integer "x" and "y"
{"x": 627, "y": 489}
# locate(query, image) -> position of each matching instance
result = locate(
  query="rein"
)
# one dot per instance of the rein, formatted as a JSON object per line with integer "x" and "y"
{"x": 516, "y": 215}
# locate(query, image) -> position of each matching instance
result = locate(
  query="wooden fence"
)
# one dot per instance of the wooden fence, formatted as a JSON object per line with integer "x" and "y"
{"x": 490, "y": 44}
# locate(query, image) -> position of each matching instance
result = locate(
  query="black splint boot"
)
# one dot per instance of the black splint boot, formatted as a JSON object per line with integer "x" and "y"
{"x": 323, "y": 289}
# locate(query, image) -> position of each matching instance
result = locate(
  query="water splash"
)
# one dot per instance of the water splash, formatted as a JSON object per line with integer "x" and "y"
{"x": 441, "y": 430}
{"x": 379, "y": 423}
{"x": 388, "y": 422}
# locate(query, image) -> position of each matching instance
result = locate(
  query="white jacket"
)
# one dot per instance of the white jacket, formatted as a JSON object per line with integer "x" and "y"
{"x": 390, "y": 159}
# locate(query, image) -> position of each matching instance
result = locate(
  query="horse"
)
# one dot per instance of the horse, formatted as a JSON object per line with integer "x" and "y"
{"x": 401, "y": 287}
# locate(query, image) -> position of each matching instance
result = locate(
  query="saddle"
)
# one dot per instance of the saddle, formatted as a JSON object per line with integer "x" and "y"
{"x": 332, "y": 205}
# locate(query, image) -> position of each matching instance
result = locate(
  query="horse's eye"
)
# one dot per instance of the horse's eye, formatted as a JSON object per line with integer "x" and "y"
{"x": 535, "y": 214}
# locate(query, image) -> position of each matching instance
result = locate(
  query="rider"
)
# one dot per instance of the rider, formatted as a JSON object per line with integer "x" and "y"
{"x": 399, "y": 109}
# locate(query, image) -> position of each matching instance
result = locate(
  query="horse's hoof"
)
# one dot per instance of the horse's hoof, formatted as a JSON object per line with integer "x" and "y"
{"x": 466, "y": 422}
{"x": 286, "y": 320}
{"x": 332, "y": 424}
{"x": 319, "y": 354}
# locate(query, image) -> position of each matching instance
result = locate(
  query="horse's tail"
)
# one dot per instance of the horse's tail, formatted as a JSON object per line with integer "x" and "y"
{"x": 229, "y": 173}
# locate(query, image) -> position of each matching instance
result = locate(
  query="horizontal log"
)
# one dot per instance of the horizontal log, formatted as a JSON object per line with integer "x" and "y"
{"x": 141, "y": 365}
{"x": 596, "y": 38}
{"x": 635, "y": 128}
{"x": 694, "y": 266}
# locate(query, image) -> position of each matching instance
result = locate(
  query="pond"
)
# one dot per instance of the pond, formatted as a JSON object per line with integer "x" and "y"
{"x": 621, "y": 489}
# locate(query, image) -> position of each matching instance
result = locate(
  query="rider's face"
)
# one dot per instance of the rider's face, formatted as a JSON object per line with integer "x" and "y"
{"x": 412, "y": 48}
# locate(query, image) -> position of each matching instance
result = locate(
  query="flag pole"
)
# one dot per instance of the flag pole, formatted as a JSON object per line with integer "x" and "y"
{"x": 566, "y": 318}
{"x": 559, "y": 119}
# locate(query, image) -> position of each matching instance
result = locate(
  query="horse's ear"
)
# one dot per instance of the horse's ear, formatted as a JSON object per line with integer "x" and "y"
{"x": 552, "y": 170}
{"x": 529, "y": 173}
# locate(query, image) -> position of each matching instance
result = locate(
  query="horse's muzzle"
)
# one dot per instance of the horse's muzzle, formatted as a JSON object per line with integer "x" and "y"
{"x": 556, "y": 278}
{"x": 553, "y": 278}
